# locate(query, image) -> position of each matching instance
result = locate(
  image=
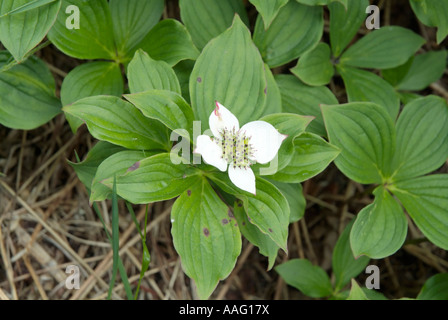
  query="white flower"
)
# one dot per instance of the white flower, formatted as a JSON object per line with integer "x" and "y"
{"x": 238, "y": 148}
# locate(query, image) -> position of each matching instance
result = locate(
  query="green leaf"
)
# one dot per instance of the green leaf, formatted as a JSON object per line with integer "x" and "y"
{"x": 93, "y": 39}
{"x": 253, "y": 234}
{"x": 384, "y": 48}
{"x": 169, "y": 41}
{"x": 311, "y": 280}
{"x": 222, "y": 180}
{"x": 422, "y": 137}
{"x": 183, "y": 72}
{"x": 360, "y": 83}
{"x": 345, "y": 23}
{"x": 418, "y": 72}
{"x": 425, "y": 69}
{"x": 132, "y": 21}
{"x": 91, "y": 79}
{"x": 269, "y": 211}
{"x": 345, "y": 266}
{"x": 286, "y": 40}
{"x": 22, "y": 31}
{"x": 119, "y": 122}
{"x": 27, "y": 94}
{"x": 280, "y": 161}
{"x": 395, "y": 75}
{"x": 312, "y": 155}
{"x": 314, "y": 67}
{"x": 87, "y": 169}
{"x": 206, "y": 19}
{"x": 207, "y": 243}
{"x": 221, "y": 74}
{"x": 268, "y": 9}
{"x": 435, "y": 288}
{"x": 369, "y": 294}
{"x": 322, "y": 2}
{"x": 373, "y": 294}
{"x": 380, "y": 228}
{"x": 145, "y": 73}
{"x": 157, "y": 178}
{"x": 356, "y": 292}
{"x": 273, "y": 103}
{"x": 288, "y": 123}
{"x": 305, "y": 100}
{"x": 116, "y": 164}
{"x": 165, "y": 106}
{"x": 432, "y": 13}
{"x": 293, "y": 193}
{"x": 30, "y": 5}
{"x": 407, "y": 97}
{"x": 366, "y": 135}
{"x": 425, "y": 199}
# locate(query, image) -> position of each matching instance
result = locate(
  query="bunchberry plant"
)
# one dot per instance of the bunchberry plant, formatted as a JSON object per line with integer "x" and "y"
{"x": 228, "y": 113}
{"x": 155, "y": 109}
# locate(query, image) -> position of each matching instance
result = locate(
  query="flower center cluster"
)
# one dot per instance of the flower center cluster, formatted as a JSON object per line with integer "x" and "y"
{"x": 236, "y": 148}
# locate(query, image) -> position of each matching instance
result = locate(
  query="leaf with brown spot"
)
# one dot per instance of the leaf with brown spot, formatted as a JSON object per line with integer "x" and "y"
{"x": 207, "y": 243}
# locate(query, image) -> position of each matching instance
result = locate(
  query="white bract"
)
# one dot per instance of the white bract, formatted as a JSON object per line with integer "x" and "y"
{"x": 235, "y": 148}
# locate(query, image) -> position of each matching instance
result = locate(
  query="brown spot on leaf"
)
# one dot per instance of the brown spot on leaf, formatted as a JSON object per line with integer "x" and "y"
{"x": 199, "y": 79}
{"x": 225, "y": 221}
{"x": 240, "y": 204}
{"x": 230, "y": 214}
{"x": 134, "y": 167}
{"x": 206, "y": 232}
{"x": 189, "y": 192}
{"x": 270, "y": 230}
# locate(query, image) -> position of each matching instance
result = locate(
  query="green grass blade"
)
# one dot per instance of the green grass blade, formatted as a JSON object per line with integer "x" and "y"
{"x": 146, "y": 259}
{"x": 121, "y": 269}
{"x": 124, "y": 278}
{"x": 115, "y": 238}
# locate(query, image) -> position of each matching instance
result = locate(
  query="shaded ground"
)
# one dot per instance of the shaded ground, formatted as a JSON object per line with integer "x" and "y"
{"x": 46, "y": 222}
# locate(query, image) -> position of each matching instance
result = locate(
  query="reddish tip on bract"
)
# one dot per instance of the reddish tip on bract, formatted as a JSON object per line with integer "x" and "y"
{"x": 216, "y": 111}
